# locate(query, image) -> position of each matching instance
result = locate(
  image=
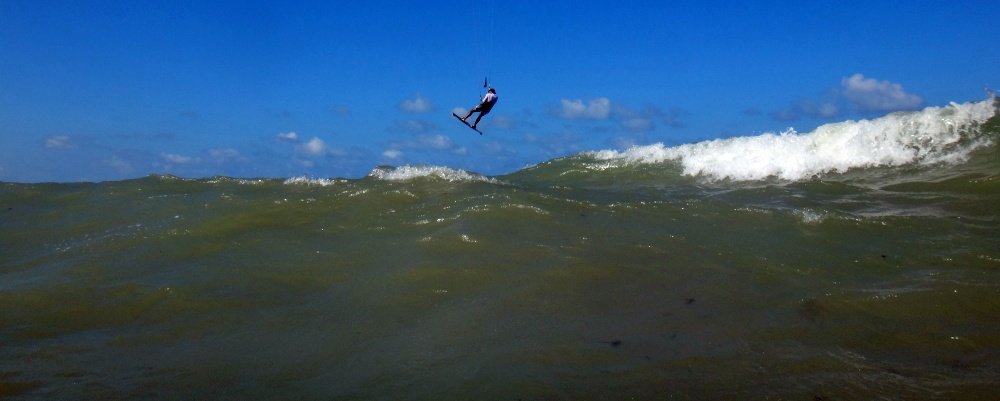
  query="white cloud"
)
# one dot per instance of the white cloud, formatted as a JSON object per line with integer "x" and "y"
{"x": 59, "y": 142}
{"x": 177, "y": 159}
{"x": 419, "y": 104}
{"x": 596, "y": 109}
{"x": 315, "y": 147}
{"x": 392, "y": 154}
{"x": 869, "y": 94}
{"x": 290, "y": 136}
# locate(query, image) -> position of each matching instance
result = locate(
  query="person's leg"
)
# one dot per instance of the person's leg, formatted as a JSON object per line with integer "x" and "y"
{"x": 474, "y": 109}
{"x": 480, "y": 117}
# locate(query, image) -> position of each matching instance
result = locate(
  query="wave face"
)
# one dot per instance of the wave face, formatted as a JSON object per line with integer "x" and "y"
{"x": 858, "y": 261}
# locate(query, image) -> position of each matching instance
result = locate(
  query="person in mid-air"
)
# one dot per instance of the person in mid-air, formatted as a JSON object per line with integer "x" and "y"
{"x": 483, "y": 108}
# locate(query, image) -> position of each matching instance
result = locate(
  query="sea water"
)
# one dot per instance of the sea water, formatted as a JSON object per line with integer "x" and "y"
{"x": 857, "y": 261}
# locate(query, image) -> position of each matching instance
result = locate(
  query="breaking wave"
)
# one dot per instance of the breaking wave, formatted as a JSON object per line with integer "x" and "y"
{"x": 931, "y": 136}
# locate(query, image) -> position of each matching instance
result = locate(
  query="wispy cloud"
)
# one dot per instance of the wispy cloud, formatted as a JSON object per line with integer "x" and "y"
{"x": 290, "y": 136}
{"x": 502, "y": 121}
{"x": 553, "y": 144}
{"x": 414, "y": 126}
{"x": 807, "y": 108}
{"x": 645, "y": 119}
{"x": 178, "y": 159}
{"x": 422, "y": 143}
{"x": 120, "y": 165}
{"x": 418, "y": 104}
{"x": 576, "y": 109}
{"x": 869, "y": 94}
{"x": 59, "y": 142}
{"x": 224, "y": 155}
{"x": 341, "y": 110}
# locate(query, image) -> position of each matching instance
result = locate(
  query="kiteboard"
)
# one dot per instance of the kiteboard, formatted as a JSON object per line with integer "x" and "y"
{"x": 467, "y": 124}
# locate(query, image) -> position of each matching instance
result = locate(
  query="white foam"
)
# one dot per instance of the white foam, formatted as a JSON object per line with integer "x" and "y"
{"x": 303, "y": 180}
{"x": 406, "y": 173}
{"x": 933, "y": 135}
{"x": 810, "y": 216}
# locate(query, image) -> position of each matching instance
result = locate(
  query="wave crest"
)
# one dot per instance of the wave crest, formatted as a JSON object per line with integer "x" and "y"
{"x": 309, "y": 181}
{"x": 407, "y": 173}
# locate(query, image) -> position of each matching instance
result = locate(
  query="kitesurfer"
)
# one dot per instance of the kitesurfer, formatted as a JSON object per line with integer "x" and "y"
{"x": 483, "y": 108}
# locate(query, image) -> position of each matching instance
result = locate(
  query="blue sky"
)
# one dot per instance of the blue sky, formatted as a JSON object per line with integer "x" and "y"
{"x": 107, "y": 90}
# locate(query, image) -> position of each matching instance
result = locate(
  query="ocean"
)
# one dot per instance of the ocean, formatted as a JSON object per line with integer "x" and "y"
{"x": 857, "y": 261}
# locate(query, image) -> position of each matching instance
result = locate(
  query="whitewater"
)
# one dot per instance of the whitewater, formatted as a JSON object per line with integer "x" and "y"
{"x": 856, "y": 261}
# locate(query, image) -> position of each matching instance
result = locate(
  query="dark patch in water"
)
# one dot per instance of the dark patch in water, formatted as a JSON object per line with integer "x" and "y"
{"x": 13, "y": 387}
{"x": 811, "y": 309}
{"x": 970, "y": 361}
{"x": 689, "y": 301}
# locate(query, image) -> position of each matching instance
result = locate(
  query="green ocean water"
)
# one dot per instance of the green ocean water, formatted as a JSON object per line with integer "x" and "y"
{"x": 594, "y": 276}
